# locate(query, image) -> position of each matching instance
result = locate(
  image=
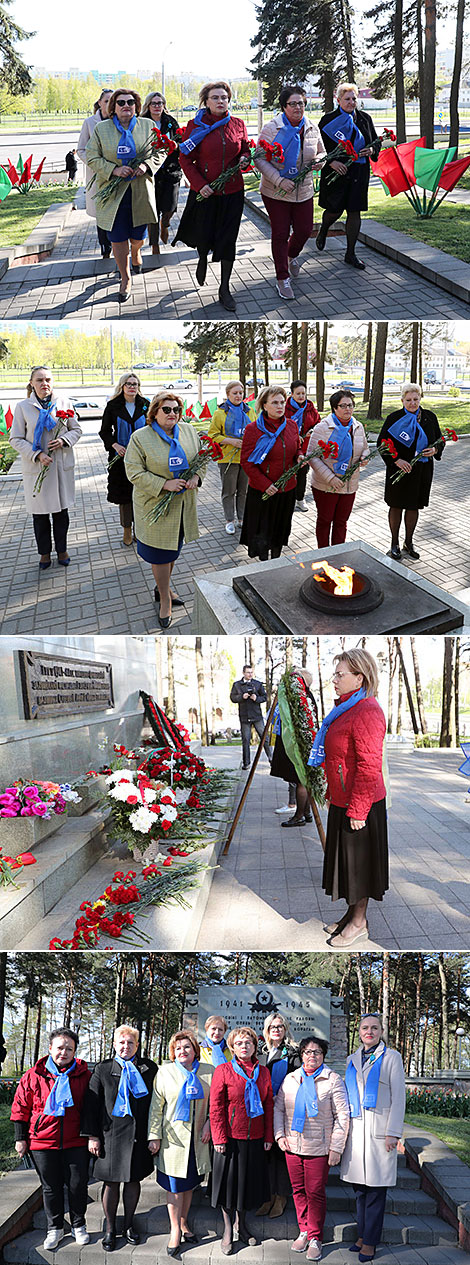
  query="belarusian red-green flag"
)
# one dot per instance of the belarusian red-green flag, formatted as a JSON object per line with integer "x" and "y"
{"x": 20, "y": 164}
{"x": 3, "y": 425}
{"x": 429, "y": 164}
{"x": 5, "y": 185}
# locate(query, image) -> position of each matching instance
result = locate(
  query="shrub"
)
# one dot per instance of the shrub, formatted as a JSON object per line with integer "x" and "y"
{"x": 437, "y": 1102}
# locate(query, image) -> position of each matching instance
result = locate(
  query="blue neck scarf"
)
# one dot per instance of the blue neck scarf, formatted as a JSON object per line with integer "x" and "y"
{"x": 60, "y": 1096}
{"x": 278, "y": 1069}
{"x": 266, "y": 442}
{"x": 317, "y": 754}
{"x": 306, "y": 1100}
{"x": 45, "y": 422}
{"x": 341, "y": 435}
{"x": 276, "y": 721}
{"x": 237, "y": 416}
{"x": 253, "y": 1104}
{"x": 191, "y": 1088}
{"x": 289, "y": 137}
{"x": 407, "y": 429}
{"x": 217, "y": 1050}
{"x": 371, "y": 1089}
{"x": 130, "y": 1081}
{"x": 124, "y": 429}
{"x": 177, "y": 459}
{"x": 297, "y": 412}
{"x": 201, "y": 130}
{"x": 126, "y": 149}
{"x": 343, "y": 128}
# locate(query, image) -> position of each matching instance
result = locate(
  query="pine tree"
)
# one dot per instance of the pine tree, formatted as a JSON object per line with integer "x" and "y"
{"x": 293, "y": 43}
{"x": 15, "y": 74}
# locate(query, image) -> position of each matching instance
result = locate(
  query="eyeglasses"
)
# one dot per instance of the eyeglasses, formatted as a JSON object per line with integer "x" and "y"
{"x": 312, "y": 1054}
{"x": 170, "y": 408}
{"x": 126, "y": 101}
{"x": 339, "y": 675}
{"x": 156, "y": 101}
{"x": 296, "y": 105}
{"x": 347, "y": 404}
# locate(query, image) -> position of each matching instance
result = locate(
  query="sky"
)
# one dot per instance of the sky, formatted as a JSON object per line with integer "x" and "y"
{"x": 99, "y": 41}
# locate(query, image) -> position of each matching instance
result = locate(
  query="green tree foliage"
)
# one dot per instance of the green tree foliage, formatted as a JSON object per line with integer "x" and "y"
{"x": 15, "y": 75}
{"x": 293, "y": 42}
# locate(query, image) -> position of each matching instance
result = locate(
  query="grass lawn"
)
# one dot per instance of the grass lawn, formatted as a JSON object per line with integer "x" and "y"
{"x": 7, "y": 455}
{"x": 451, "y": 412}
{"x": 8, "y": 1156}
{"x": 448, "y": 229}
{"x": 455, "y": 1133}
{"x": 20, "y": 213}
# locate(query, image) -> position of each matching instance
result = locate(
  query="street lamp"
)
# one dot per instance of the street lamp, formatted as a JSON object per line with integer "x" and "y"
{"x": 459, "y": 1032}
{"x": 165, "y": 50}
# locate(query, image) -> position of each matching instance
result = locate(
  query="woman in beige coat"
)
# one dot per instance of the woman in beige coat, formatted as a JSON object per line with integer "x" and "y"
{"x": 375, "y": 1082}
{"x": 289, "y": 206}
{"x": 151, "y": 465}
{"x": 100, "y": 112}
{"x": 311, "y": 1120}
{"x": 334, "y": 498}
{"x": 179, "y": 1131}
{"x": 113, "y": 147}
{"x": 45, "y": 444}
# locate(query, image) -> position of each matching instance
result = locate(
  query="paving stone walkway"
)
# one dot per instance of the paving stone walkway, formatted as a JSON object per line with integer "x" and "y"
{"x": 108, "y": 588}
{"x": 267, "y": 891}
{"x": 75, "y": 281}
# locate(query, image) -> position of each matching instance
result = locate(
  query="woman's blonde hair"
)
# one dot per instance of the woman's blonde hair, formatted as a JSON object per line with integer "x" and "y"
{"x": 116, "y": 94}
{"x": 35, "y": 369}
{"x": 276, "y": 1014}
{"x": 234, "y": 383}
{"x": 212, "y": 1019}
{"x": 410, "y": 386}
{"x": 122, "y": 382}
{"x": 345, "y": 87}
{"x": 183, "y": 1035}
{"x": 242, "y": 1032}
{"x": 125, "y": 1030}
{"x": 160, "y": 399}
{"x": 204, "y": 93}
{"x": 266, "y": 393}
{"x": 362, "y": 663}
{"x": 145, "y": 112}
{"x": 307, "y": 677}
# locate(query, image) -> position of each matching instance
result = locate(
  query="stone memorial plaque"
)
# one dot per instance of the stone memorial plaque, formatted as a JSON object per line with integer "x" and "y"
{"x": 306, "y": 1009}
{"x": 55, "y": 686}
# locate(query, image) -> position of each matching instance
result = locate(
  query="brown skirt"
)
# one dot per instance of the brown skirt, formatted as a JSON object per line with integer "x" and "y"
{"x": 356, "y": 861}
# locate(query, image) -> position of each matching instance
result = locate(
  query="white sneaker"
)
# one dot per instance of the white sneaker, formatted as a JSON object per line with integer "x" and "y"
{"x": 314, "y": 1250}
{"x": 230, "y": 529}
{"x": 301, "y": 1243}
{"x": 53, "y": 1237}
{"x": 80, "y": 1234}
{"x": 286, "y": 808}
{"x": 294, "y": 267}
{"x": 300, "y": 505}
{"x": 284, "y": 289}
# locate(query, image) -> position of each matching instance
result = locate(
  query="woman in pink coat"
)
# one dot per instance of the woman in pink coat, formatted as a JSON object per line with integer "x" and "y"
{"x": 350, "y": 745}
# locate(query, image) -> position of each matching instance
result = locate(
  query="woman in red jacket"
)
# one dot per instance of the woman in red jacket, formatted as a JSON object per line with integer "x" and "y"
{"x": 241, "y": 1118}
{"x": 270, "y": 446}
{"x": 350, "y": 744}
{"x": 306, "y": 416}
{"x": 213, "y": 142}
{"x": 46, "y": 1114}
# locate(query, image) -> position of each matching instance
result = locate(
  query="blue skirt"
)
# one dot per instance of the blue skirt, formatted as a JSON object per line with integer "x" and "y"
{"x": 177, "y": 1184}
{"x": 123, "y": 229}
{"x": 150, "y": 554}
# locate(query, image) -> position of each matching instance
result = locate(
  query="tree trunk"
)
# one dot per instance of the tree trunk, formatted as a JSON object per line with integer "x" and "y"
{"x": 420, "y": 354}
{"x": 201, "y": 693}
{"x": 419, "y": 984}
{"x": 321, "y": 343}
{"x": 419, "y": 692}
{"x": 360, "y": 982}
{"x": 447, "y": 735}
{"x": 456, "y": 73}
{"x": 366, "y": 392}
{"x": 328, "y": 89}
{"x": 457, "y": 690}
{"x": 320, "y": 682}
{"x": 303, "y": 350}
{"x": 289, "y": 652}
{"x": 25, "y": 1037}
{"x": 3, "y": 978}
{"x": 392, "y": 663}
{"x": 118, "y": 992}
{"x": 444, "y": 1011}
{"x": 419, "y": 44}
{"x": 171, "y": 678}
{"x": 386, "y": 994}
{"x": 414, "y": 722}
{"x": 399, "y": 73}
{"x": 251, "y": 336}
{"x": 376, "y": 395}
{"x": 242, "y": 353}
{"x": 267, "y": 670}
{"x": 423, "y": 1042}
{"x": 414, "y": 351}
{"x": 37, "y": 1038}
{"x": 400, "y": 698}
{"x": 295, "y": 349}
{"x": 304, "y": 651}
{"x": 265, "y": 354}
{"x": 429, "y": 71}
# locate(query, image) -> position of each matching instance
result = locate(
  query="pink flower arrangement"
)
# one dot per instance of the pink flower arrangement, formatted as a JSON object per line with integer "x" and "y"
{"x": 37, "y": 799}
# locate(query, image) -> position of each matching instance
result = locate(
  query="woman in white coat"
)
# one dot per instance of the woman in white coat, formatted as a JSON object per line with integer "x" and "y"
{"x": 375, "y": 1082}
{"x": 44, "y": 431}
{"x": 100, "y": 112}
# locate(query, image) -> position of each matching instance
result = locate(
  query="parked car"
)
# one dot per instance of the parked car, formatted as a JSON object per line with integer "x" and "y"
{"x": 178, "y": 384}
{"x": 250, "y": 382}
{"x": 430, "y": 376}
{"x": 87, "y": 408}
{"x": 347, "y": 385}
{"x": 391, "y": 382}
{"x": 142, "y": 365}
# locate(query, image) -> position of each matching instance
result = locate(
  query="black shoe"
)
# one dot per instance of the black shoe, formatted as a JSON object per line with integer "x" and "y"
{"x": 122, "y": 298}
{"x": 412, "y": 553}
{"x": 245, "y": 766}
{"x": 44, "y": 566}
{"x": 294, "y": 821}
{"x": 190, "y": 1238}
{"x": 354, "y": 261}
{"x": 320, "y": 239}
{"x": 306, "y": 818}
{"x": 395, "y": 553}
{"x": 226, "y": 299}
{"x": 109, "y": 1242}
{"x": 164, "y": 621}
{"x": 106, "y": 254}
{"x": 201, "y": 270}
{"x": 136, "y": 268}
{"x": 175, "y": 601}
{"x": 173, "y": 1251}
{"x": 132, "y": 1235}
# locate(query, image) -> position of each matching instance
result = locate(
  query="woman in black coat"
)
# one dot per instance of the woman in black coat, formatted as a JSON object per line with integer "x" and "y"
{"x": 115, "y": 1119}
{"x": 420, "y": 432}
{"x": 349, "y": 192}
{"x": 125, "y": 413}
{"x": 279, "y": 1054}
{"x": 168, "y": 176}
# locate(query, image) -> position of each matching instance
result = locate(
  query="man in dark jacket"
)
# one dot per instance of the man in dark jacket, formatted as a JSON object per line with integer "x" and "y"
{"x": 249, "y": 694}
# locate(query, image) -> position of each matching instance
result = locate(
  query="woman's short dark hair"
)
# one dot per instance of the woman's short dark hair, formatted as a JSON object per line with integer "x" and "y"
{"x": 64, "y": 1032}
{"x": 208, "y": 87}
{"x": 117, "y": 93}
{"x": 318, "y": 1041}
{"x": 288, "y": 91}
{"x": 339, "y": 395}
{"x": 298, "y": 383}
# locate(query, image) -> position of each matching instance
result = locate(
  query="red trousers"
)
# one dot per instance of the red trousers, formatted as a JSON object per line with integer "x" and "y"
{"x": 333, "y": 510}
{"x": 308, "y": 1175}
{"x": 285, "y": 244}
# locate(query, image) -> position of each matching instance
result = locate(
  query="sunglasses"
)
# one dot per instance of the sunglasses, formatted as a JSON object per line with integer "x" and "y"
{"x": 169, "y": 408}
{"x": 126, "y": 101}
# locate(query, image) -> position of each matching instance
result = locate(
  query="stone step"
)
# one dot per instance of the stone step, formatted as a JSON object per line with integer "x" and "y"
{"x": 61, "y": 861}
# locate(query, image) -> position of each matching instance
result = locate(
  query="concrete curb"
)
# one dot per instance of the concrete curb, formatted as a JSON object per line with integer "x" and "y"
{"x": 41, "y": 241}
{"x": 434, "y": 265}
{"x": 443, "y": 1175}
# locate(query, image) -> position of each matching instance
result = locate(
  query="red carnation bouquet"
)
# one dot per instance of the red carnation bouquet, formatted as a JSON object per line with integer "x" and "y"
{"x": 324, "y": 450}
{"x": 386, "y": 448}
{"x": 154, "y": 142}
{"x": 209, "y": 450}
{"x": 447, "y": 435}
{"x": 343, "y": 153}
{"x": 62, "y": 416}
{"x": 273, "y": 153}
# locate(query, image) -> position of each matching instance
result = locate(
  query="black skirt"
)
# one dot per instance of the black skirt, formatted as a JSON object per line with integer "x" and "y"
{"x": 167, "y": 184}
{"x": 212, "y": 225}
{"x": 267, "y": 524}
{"x": 347, "y": 193}
{"x": 240, "y": 1178}
{"x": 356, "y": 861}
{"x": 281, "y": 766}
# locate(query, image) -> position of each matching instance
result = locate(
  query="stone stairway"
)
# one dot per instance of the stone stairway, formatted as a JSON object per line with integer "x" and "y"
{"x": 413, "y": 1233}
